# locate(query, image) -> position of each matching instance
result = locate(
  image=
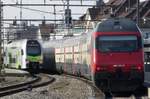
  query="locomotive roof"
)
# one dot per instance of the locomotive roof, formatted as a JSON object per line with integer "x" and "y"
{"x": 117, "y": 25}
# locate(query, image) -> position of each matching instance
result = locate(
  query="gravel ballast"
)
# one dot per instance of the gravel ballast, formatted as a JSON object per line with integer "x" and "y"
{"x": 63, "y": 88}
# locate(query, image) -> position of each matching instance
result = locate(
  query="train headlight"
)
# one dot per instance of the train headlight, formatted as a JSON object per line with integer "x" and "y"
{"x": 139, "y": 68}
{"x": 134, "y": 67}
{"x": 27, "y": 61}
{"x": 40, "y": 61}
{"x": 101, "y": 67}
{"x": 98, "y": 68}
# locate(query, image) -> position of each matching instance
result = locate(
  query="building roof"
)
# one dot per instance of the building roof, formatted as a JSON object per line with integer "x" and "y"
{"x": 120, "y": 8}
{"x": 94, "y": 12}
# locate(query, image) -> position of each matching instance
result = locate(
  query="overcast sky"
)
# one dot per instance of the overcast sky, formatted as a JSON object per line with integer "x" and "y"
{"x": 12, "y": 12}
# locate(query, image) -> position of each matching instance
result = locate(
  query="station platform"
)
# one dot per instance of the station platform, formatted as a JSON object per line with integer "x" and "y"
{"x": 15, "y": 72}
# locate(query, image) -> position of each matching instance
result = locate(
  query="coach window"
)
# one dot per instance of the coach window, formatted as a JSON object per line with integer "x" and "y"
{"x": 4, "y": 54}
{"x": 13, "y": 60}
{"x": 22, "y": 52}
{"x": 10, "y": 58}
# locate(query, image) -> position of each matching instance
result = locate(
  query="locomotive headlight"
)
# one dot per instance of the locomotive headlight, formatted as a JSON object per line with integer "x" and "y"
{"x": 136, "y": 67}
{"x": 98, "y": 68}
{"x": 101, "y": 68}
{"x": 27, "y": 61}
{"x": 139, "y": 67}
{"x": 40, "y": 61}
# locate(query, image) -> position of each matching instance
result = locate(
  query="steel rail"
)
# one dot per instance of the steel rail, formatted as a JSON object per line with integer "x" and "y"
{"x": 38, "y": 82}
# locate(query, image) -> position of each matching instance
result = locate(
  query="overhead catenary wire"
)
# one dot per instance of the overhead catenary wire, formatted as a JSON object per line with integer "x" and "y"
{"x": 31, "y": 9}
{"x": 46, "y": 20}
{"x": 73, "y": 0}
{"x": 57, "y": 13}
{"x": 53, "y": 20}
{"x": 75, "y": 5}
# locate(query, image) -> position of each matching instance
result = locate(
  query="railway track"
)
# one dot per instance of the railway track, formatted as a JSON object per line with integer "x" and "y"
{"x": 62, "y": 89}
{"x": 97, "y": 93}
{"x": 38, "y": 81}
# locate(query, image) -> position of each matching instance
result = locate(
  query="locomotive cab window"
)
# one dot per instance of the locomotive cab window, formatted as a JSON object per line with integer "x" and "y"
{"x": 33, "y": 48}
{"x": 117, "y": 43}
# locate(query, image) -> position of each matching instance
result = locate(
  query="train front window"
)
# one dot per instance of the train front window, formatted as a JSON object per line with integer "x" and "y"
{"x": 117, "y": 43}
{"x": 33, "y": 50}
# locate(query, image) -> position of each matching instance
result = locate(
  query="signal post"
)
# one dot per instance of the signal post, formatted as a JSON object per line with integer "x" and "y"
{"x": 68, "y": 19}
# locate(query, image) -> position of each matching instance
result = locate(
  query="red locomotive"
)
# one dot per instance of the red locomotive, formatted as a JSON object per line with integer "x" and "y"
{"x": 111, "y": 55}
